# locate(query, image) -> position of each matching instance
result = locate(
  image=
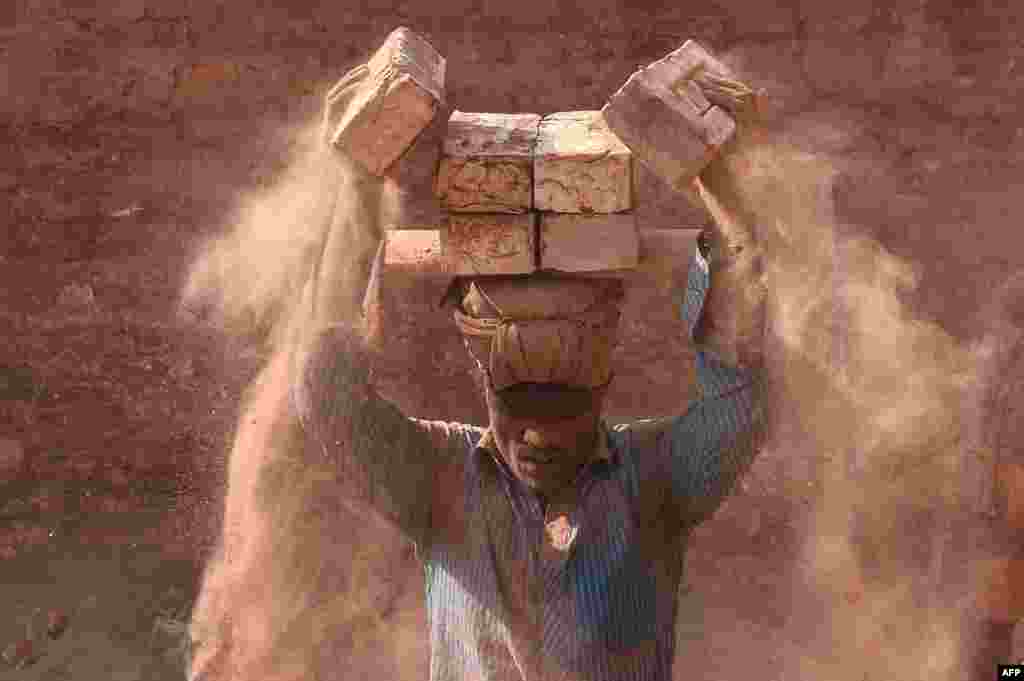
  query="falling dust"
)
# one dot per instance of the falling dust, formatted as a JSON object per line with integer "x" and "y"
{"x": 877, "y": 397}
{"x": 300, "y": 586}
{"x": 250, "y": 279}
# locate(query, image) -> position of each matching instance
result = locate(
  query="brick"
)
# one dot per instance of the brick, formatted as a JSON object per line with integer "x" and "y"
{"x": 414, "y": 251}
{"x": 663, "y": 251}
{"x": 665, "y": 120}
{"x": 375, "y": 112}
{"x": 580, "y": 166}
{"x": 585, "y": 243}
{"x": 477, "y": 243}
{"x": 486, "y": 163}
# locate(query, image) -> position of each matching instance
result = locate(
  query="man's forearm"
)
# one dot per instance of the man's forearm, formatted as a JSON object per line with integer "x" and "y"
{"x": 731, "y": 321}
{"x": 715, "y": 440}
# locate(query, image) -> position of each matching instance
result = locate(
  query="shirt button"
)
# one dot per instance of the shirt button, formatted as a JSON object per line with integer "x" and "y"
{"x": 560, "y": 530}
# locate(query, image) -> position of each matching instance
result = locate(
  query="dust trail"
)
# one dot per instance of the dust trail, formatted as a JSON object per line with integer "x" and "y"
{"x": 300, "y": 586}
{"x": 249, "y": 279}
{"x": 877, "y": 393}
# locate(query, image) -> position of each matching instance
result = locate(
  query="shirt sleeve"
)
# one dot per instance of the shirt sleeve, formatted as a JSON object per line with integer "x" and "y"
{"x": 702, "y": 452}
{"x": 388, "y": 463}
{"x": 713, "y": 443}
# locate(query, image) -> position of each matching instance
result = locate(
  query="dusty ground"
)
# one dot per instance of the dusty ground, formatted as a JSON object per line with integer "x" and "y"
{"x": 112, "y": 507}
{"x": 128, "y": 129}
{"x": 125, "y": 602}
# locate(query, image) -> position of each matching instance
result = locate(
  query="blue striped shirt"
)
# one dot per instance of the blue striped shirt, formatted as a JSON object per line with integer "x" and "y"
{"x": 584, "y": 588}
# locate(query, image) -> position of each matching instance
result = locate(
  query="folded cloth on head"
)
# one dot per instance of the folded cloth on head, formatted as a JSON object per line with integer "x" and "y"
{"x": 541, "y": 328}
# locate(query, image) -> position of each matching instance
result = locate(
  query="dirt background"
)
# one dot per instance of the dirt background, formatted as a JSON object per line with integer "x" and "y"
{"x": 131, "y": 129}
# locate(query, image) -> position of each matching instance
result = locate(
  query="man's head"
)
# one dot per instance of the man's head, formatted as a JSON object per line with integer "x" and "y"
{"x": 545, "y": 433}
{"x": 542, "y": 346}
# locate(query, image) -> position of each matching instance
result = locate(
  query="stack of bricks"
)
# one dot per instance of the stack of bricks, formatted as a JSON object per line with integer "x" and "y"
{"x": 525, "y": 193}
{"x": 485, "y": 183}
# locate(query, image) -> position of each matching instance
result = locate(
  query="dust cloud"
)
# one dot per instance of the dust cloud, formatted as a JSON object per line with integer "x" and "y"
{"x": 877, "y": 394}
{"x": 300, "y": 586}
{"x": 249, "y": 279}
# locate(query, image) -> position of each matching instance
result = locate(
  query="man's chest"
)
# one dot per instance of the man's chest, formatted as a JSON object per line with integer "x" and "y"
{"x": 598, "y": 574}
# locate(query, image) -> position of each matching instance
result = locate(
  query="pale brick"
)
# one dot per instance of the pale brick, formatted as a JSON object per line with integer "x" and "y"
{"x": 667, "y": 251}
{"x": 415, "y": 251}
{"x": 665, "y": 120}
{"x": 584, "y": 243}
{"x": 478, "y": 243}
{"x": 376, "y": 111}
{"x": 580, "y": 166}
{"x": 486, "y": 163}
{"x": 668, "y": 245}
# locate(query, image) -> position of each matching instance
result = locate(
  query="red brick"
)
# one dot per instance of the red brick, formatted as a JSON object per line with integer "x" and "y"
{"x": 490, "y": 243}
{"x": 486, "y": 163}
{"x": 584, "y": 243}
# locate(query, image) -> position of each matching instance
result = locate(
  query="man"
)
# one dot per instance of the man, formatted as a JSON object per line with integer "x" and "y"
{"x": 552, "y": 543}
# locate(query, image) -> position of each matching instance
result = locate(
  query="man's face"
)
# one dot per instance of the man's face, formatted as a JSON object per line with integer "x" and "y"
{"x": 545, "y": 434}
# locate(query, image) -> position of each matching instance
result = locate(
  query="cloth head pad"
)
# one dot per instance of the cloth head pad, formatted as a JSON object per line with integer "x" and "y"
{"x": 541, "y": 328}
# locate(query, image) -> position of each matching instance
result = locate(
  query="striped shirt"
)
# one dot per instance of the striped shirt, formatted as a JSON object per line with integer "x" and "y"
{"x": 584, "y": 588}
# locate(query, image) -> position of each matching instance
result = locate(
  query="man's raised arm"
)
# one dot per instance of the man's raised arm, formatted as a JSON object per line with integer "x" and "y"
{"x": 716, "y": 440}
{"x": 723, "y": 307}
{"x": 387, "y": 463}
{"x": 316, "y": 449}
